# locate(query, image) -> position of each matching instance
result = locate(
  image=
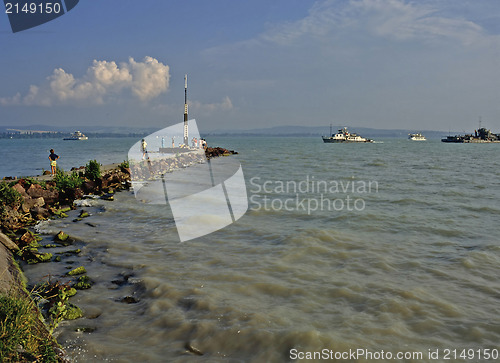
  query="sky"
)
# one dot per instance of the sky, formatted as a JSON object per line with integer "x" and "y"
{"x": 386, "y": 64}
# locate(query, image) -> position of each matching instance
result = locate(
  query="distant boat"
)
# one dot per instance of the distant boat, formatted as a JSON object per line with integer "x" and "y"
{"x": 343, "y": 135}
{"x": 77, "y": 135}
{"x": 481, "y": 135}
{"x": 416, "y": 137}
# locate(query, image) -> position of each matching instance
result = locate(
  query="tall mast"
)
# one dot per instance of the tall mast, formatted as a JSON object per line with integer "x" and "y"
{"x": 186, "y": 137}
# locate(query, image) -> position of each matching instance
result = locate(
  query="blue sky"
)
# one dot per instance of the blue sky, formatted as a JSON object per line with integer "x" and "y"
{"x": 367, "y": 63}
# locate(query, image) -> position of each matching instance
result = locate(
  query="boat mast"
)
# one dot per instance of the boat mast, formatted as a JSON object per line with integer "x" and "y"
{"x": 186, "y": 137}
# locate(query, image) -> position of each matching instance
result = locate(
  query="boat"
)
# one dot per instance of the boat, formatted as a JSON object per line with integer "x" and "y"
{"x": 77, "y": 135}
{"x": 416, "y": 137}
{"x": 481, "y": 135}
{"x": 343, "y": 135}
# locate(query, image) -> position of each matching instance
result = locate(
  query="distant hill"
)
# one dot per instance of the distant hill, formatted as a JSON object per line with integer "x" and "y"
{"x": 325, "y": 130}
{"x": 302, "y": 131}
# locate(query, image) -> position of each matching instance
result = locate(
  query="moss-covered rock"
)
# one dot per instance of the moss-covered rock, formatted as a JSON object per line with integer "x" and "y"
{"x": 61, "y": 237}
{"x": 70, "y": 292}
{"x": 72, "y": 312}
{"x": 44, "y": 257}
{"x": 83, "y": 283}
{"x": 84, "y": 214}
{"x": 77, "y": 271}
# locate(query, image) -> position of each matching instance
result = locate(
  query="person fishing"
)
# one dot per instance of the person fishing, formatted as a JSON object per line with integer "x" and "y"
{"x": 53, "y": 163}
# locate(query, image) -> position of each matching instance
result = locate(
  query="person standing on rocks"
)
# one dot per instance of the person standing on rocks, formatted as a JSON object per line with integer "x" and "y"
{"x": 144, "y": 149}
{"x": 53, "y": 163}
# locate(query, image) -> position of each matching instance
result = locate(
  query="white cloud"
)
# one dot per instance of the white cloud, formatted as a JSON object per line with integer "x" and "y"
{"x": 392, "y": 19}
{"x": 224, "y": 105}
{"x": 104, "y": 79}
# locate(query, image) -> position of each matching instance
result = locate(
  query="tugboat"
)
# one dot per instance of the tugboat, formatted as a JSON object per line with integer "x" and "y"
{"x": 416, "y": 137}
{"x": 343, "y": 135}
{"x": 77, "y": 135}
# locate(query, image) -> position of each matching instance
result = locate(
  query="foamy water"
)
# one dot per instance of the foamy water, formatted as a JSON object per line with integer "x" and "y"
{"x": 408, "y": 264}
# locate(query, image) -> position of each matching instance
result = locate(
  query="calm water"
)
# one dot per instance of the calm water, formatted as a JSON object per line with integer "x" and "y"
{"x": 407, "y": 261}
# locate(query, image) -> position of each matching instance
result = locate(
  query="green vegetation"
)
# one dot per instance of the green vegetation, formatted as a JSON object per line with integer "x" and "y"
{"x": 20, "y": 337}
{"x": 29, "y": 181}
{"x": 53, "y": 298}
{"x": 8, "y": 196}
{"x": 93, "y": 170}
{"x": 65, "y": 182}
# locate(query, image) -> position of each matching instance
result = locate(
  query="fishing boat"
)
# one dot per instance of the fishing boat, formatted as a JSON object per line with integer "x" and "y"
{"x": 343, "y": 135}
{"x": 416, "y": 137}
{"x": 77, "y": 135}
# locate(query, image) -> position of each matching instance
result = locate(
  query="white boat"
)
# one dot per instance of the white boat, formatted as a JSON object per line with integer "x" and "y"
{"x": 416, "y": 137}
{"x": 343, "y": 135}
{"x": 77, "y": 135}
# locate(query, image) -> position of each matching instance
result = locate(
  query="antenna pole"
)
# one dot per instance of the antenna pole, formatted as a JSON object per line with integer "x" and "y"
{"x": 186, "y": 137}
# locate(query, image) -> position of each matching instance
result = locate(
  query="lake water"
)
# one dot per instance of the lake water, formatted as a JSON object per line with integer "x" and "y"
{"x": 385, "y": 248}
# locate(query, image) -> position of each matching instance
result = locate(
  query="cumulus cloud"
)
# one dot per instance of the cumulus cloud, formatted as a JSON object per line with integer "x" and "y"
{"x": 145, "y": 80}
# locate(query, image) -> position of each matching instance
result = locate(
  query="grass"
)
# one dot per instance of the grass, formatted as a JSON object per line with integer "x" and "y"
{"x": 21, "y": 332}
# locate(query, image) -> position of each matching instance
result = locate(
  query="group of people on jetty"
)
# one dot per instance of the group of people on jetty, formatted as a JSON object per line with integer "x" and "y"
{"x": 195, "y": 144}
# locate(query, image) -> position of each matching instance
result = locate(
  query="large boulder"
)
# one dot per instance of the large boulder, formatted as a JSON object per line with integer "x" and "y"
{"x": 31, "y": 203}
{"x": 20, "y": 189}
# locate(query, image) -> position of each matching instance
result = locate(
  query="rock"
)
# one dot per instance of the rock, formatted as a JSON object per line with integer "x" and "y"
{"x": 108, "y": 197}
{"x": 7, "y": 242}
{"x": 70, "y": 292}
{"x": 189, "y": 347}
{"x": 129, "y": 300}
{"x": 27, "y": 239}
{"x": 85, "y": 329}
{"x": 83, "y": 214}
{"x": 46, "y": 172}
{"x": 20, "y": 189}
{"x": 77, "y": 271}
{"x": 30, "y": 203}
{"x": 44, "y": 257}
{"x": 72, "y": 312}
{"x": 83, "y": 283}
{"x": 89, "y": 186}
{"x": 61, "y": 237}
{"x": 39, "y": 213}
{"x": 34, "y": 190}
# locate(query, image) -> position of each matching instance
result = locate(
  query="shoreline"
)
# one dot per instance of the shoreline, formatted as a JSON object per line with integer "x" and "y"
{"x": 26, "y": 201}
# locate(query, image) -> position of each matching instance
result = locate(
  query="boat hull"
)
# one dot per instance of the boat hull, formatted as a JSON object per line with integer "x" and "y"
{"x": 338, "y": 141}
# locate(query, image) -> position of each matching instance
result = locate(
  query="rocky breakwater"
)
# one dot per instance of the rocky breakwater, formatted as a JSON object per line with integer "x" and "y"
{"x": 25, "y": 334}
{"x": 212, "y": 152}
{"x": 160, "y": 164}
